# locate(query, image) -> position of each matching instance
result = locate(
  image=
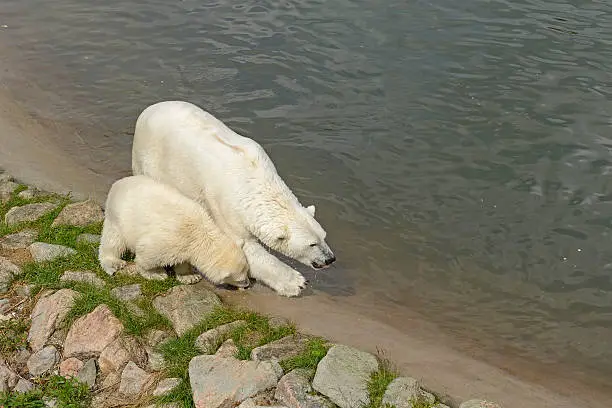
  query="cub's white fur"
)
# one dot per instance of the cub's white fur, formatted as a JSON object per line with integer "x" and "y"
{"x": 164, "y": 228}
{"x": 185, "y": 147}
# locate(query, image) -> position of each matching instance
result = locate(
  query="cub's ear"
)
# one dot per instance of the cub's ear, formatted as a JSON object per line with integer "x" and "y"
{"x": 311, "y": 210}
{"x": 240, "y": 243}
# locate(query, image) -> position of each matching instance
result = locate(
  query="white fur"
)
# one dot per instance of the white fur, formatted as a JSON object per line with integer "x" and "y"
{"x": 183, "y": 146}
{"x": 164, "y": 228}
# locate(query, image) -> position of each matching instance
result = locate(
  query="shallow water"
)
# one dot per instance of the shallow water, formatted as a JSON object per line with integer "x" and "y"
{"x": 458, "y": 153}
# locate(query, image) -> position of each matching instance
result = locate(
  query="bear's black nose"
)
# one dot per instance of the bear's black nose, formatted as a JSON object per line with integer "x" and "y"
{"x": 330, "y": 261}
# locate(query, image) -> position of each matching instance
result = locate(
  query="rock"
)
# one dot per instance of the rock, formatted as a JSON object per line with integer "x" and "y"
{"x": 156, "y": 360}
{"x": 111, "y": 380}
{"x": 250, "y": 403}
{"x": 127, "y": 293}
{"x": 294, "y": 390}
{"x": 92, "y": 333}
{"x": 50, "y": 402}
{"x": 404, "y": 392}
{"x": 24, "y": 290}
{"x": 8, "y": 272}
{"x": 70, "y": 367}
{"x": 41, "y": 251}
{"x": 8, "y": 378}
{"x": 88, "y": 238}
{"x": 27, "y": 213}
{"x": 117, "y": 354}
{"x": 165, "y": 386}
{"x": 284, "y": 348}
{"x": 228, "y": 349}
{"x": 48, "y": 314}
{"x": 218, "y": 382}
{"x": 5, "y": 304}
{"x": 87, "y": 373}
{"x": 155, "y": 337}
{"x": 79, "y": 214}
{"x": 343, "y": 375}
{"x": 477, "y": 403}
{"x": 23, "y": 386}
{"x": 134, "y": 380}
{"x": 31, "y": 193}
{"x": 58, "y": 337}
{"x": 186, "y": 305}
{"x": 210, "y": 339}
{"x": 168, "y": 405}
{"x": 84, "y": 277}
{"x": 6, "y": 190}
{"x": 43, "y": 360}
{"x": 19, "y": 240}
{"x": 276, "y": 322}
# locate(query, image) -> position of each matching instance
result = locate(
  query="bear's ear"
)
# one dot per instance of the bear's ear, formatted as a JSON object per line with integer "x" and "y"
{"x": 240, "y": 243}
{"x": 311, "y": 210}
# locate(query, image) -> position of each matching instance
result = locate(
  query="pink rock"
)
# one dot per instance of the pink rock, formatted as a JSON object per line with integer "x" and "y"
{"x": 117, "y": 354}
{"x": 70, "y": 367}
{"x": 92, "y": 333}
{"x": 49, "y": 311}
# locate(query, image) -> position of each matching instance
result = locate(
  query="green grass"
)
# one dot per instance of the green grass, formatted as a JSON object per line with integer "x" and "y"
{"x": 316, "y": 349}
{"x": 69, "y": 393}
{"x": 179, "y": 352}
{"x": 13, "y": 335}
{"x": 379, "y": 381}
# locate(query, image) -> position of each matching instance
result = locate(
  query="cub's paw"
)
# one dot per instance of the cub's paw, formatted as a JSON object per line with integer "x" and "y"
{"x": 188, "y": 279}
{"x": 112, "y": 265}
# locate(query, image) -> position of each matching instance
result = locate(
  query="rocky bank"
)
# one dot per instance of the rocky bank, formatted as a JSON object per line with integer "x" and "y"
{"x": 124, "y": 341}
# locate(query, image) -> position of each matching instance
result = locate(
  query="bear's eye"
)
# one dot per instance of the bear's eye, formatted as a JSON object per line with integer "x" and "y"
{"x": 313, "y": 245}
{"x": 280, "y": 238}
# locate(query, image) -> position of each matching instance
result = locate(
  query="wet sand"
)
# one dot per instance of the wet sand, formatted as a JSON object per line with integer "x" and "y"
{"x": 30, "y": 151}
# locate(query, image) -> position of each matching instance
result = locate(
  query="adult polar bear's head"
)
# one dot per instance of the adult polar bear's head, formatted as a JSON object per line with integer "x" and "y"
{"x": 299, "y": 236}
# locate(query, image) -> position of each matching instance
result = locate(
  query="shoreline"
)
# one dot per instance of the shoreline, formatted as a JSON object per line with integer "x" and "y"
{"x": 29, "y": 154}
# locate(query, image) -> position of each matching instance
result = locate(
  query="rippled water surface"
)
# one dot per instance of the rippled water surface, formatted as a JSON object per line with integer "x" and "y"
{"x": 458, "y": 152}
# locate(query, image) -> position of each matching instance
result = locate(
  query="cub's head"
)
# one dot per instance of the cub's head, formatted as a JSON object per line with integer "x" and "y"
{"x": 232, "y": 267}
{"x": 301, "y": 238}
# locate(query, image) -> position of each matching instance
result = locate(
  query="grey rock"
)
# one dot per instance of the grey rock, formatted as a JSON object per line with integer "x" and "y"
{"x": 343, "y": 375}
{"x": 5, "y": 304}
{"x": 155, "y": 360}
{"x": 251, "y": 403}
{"x": 23, "y": 386}
{"x": 47, "y": 316}
{"x": 41, "y": 251}
{"x": 6, "y": 190}
{"x": 227, "y": 349}
{"x": 128, "y": 292}
{"x": 404, "y": 392}
{"x": 88, "y": 238}
{"x": 43, "y": 360}
{"x": 27, "y": 213}
{"x": 79, "y": 214}
{"x": 87, "y": 374}
{"x": 19, "y": 240}
{"x": 478, "y": 403}
{"x": 276, "y": 322}
{"x": 294, "y": 390}
{"x": 83, "y": 277}
{"x": 167, "y": 405}
{"x": 210, "y": 338}
{"x": 155, "y": 337}
{"x": 281, "y": 349}
{"x": 8, "y": 378}
{"x": 134, "y": 380}
{"x": 50, "y": 402}
{"x": 218, "y": 382}
{"x": 186, "y": 305}
{"x": 24, "y": 290}
{"x": 165, "y": 386}
{"x": 32, "y": 192}
{"x": 8, "y": 272}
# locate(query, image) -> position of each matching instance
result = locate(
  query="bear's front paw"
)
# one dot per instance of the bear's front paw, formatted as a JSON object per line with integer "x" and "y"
{"x": 188, "y": 279}
{"x": 111, "y": 266}
{"x": 291, "y": 286}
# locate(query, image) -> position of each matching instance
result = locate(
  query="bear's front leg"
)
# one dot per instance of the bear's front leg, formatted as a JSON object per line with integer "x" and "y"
{"x": 272, "y": 271}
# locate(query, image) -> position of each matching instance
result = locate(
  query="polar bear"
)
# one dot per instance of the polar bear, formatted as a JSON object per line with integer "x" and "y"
{"x": 164, "y": 228}
{"x": 179, "y": 144}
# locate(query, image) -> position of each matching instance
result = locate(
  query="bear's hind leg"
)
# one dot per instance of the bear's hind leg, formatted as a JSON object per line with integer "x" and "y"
{"x": 149, "y": 269}
{"x": 112, "y": 246}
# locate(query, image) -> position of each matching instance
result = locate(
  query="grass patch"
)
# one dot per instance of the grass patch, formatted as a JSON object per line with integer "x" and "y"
{"x": 68, "y": 393}
{"x": 316, "y": 349}
{"x": 179, "y": 352}
{"x": 379, "y": 381}
{"x": 13, "y": 335}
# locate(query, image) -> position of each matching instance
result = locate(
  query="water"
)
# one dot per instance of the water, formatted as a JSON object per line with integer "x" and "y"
{"x": 458, "y": 152}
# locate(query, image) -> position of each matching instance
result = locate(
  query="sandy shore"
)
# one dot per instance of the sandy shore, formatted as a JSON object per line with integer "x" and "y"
{"x": 28, "y": 152}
